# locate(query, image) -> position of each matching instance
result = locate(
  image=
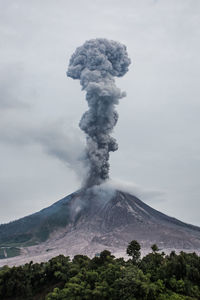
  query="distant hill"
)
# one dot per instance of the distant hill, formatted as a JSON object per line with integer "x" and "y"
{"x": 35, "y": 228}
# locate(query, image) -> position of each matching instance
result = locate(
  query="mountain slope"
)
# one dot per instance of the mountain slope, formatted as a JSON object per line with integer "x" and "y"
{"x": 91, "y": 220}
{"x": 36, "y": 227}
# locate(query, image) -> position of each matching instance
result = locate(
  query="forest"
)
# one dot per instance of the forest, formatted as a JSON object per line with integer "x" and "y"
{"x": 155, "y": 276}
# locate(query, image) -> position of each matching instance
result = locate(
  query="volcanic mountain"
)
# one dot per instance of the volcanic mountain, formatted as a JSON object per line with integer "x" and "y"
{"x": 89, "y": 221}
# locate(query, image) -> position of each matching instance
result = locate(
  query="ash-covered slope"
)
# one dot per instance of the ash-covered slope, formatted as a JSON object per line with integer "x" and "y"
{"x": 90, "y": 220}
{"x": 118, "y": 217}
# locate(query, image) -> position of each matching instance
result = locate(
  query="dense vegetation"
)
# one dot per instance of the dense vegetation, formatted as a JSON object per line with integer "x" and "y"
{"x": 104, "y": 277}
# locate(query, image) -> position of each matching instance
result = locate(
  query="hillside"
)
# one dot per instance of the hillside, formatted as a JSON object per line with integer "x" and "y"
{"x": 91, "y": 220}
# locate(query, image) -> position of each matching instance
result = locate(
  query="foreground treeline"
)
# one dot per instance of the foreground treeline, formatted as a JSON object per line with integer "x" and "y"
{"x": 154, "y": 277}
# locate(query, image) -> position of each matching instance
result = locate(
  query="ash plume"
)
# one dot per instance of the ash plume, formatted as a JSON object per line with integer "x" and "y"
{"x": 95, "y": 64}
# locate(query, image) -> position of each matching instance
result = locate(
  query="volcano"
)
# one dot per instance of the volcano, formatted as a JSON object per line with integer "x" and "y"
{"x": 95, "y": 217}
{"x": 91, "y": 220}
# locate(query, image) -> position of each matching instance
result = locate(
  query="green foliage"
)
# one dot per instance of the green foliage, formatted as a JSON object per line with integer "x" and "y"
{"x": 133, "y": 250}
{"x": 154, "y": 248}
{"x": 154, "y": 277}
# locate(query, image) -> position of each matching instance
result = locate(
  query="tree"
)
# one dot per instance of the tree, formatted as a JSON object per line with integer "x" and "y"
{"x": 133, "y": 250}
{"x": 154, "y": 248}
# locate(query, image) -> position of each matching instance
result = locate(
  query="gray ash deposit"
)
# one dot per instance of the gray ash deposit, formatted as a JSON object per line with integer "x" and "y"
{"x": 91, "y": 220}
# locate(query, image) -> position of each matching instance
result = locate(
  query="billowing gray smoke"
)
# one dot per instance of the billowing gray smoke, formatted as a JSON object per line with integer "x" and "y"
{"x": 95, "y": 64}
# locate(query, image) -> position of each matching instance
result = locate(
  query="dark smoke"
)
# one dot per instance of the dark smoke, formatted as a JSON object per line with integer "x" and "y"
{"x": 95, "y": 64}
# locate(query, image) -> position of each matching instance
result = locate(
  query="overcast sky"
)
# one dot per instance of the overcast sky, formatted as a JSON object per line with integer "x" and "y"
{"x": 40, "y": 108}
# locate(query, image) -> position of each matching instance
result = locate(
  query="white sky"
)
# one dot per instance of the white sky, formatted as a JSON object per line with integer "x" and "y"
{"x": 40, "y": 108}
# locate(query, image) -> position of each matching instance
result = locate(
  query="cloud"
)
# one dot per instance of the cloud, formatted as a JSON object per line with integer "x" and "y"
{"x": 146, "y": 194}
{"x": 64, "y": 143}
{"x": 11, "y": 87}
{"x": 56, "y": 139}
{"x": 108, "y": 188}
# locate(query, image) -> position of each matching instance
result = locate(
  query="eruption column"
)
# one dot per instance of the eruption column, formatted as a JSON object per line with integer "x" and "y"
{"x": 95, "y": 64}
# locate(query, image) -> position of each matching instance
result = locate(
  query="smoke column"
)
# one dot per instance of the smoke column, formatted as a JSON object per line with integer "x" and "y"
{"x": 95, "y": 64}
